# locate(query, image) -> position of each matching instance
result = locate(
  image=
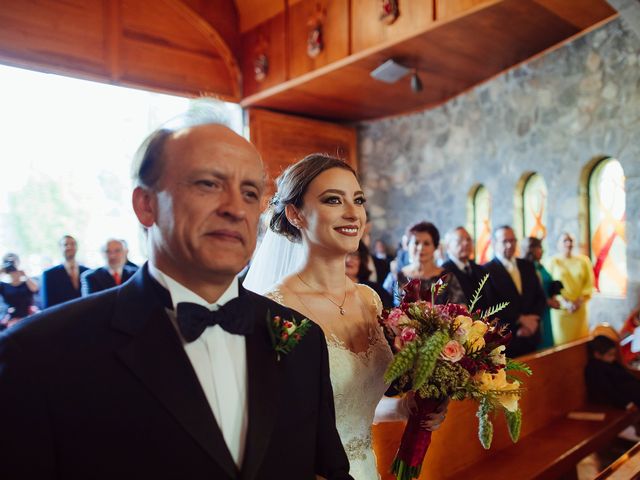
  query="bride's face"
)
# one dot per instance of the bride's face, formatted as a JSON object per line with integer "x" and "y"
{"x": 332, "y": 214}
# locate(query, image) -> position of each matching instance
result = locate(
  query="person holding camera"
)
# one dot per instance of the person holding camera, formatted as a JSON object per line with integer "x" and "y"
{"x": 18, "y": 292}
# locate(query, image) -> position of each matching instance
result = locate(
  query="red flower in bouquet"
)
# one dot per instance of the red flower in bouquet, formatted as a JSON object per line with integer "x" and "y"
{"x": 448, "y": 351}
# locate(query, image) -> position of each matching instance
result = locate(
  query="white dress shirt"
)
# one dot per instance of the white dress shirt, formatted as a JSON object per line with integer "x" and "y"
{"x": 219, "y": 360}
{"x": 462, "y": 266}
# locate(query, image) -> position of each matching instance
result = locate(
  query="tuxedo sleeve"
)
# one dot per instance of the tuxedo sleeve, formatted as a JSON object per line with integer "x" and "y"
{"x": 26, "y": 440}
{"x": 331, "y": 460}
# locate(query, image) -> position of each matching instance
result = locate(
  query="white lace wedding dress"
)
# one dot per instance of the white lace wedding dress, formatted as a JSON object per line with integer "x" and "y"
{"x": 357, "y": 384}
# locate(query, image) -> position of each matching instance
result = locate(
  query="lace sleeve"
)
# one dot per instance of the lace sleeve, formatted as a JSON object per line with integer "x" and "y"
{"x": 376, "y": 303}
{"x": 276, "y": 296}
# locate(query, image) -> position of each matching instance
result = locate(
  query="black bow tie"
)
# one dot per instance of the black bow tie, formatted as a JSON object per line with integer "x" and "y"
{"x": 232, "y": 316}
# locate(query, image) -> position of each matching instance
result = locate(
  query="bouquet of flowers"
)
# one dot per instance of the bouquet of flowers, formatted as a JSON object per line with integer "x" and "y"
{"x": 448, "y": 351}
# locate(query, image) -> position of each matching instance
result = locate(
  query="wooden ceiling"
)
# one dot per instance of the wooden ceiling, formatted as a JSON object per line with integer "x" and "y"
{"x": 450, "y": 56}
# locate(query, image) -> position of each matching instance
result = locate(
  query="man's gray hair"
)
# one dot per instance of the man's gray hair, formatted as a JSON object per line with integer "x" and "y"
{"x": 146, "y": 168}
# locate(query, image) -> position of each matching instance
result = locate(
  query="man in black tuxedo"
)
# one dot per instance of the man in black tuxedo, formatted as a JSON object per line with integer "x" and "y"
{"x": 62, "y": 282}
{"x": 173, "y": 375}
{"x": 468, "y": 273}
{"x": 514, "y": 280}
{"x": 115, "y": 272}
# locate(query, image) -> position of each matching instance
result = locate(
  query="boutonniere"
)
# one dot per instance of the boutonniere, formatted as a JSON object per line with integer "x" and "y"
{"x": 285, "y": 334}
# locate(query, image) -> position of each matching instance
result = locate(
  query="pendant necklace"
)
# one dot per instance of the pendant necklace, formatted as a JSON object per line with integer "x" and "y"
{"x": 341, "y": 305}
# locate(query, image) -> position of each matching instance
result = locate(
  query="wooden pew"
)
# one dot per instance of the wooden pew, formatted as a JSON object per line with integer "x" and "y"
{"x": 550, "y": 443}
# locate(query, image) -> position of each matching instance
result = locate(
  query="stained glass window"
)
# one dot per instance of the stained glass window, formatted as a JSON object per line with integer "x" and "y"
{"x": 608, "y": 245}
{"x": 481, "y": 224}
{"x": 534, "y": 204}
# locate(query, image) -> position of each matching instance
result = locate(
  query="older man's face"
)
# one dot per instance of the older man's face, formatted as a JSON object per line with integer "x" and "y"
{"x": 115, "y": 254}
{"x": 69, "y": 248}
{"x": 505, "y": 243}
{"x": 460, "y": 245}
{"x": 208, "y": 203}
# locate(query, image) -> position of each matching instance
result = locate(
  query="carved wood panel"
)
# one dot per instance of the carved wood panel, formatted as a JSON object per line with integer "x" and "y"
{"x": 304, "y": 16}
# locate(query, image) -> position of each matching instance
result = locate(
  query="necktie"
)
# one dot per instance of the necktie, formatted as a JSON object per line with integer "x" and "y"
{"x": 515, "y": 275}
{"x": 467, "y": 270}
{"x": 234, "y": 317}
{"x": 116, "y": 278}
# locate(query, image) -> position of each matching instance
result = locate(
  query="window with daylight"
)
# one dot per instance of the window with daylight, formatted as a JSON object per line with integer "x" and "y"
{"x": 607, "y": 241}
{"x": 480, "y": 222}
{"x": 534, "y": 207}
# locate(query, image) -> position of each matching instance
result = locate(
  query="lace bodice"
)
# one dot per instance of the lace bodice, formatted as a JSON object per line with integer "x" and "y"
{"x": 357, "y": 384}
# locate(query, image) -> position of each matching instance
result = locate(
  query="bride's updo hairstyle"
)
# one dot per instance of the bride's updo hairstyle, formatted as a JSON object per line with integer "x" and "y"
{"x": 292, "y": 185}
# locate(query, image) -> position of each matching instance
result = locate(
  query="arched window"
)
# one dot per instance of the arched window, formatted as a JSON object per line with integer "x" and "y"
{"x": 534, "y": 207}
{"x": 606, "y": 212}
{"x": 479, "y": 220}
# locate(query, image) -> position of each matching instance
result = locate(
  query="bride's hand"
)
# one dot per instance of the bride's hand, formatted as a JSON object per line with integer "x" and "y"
{"x": 434, "y": 420}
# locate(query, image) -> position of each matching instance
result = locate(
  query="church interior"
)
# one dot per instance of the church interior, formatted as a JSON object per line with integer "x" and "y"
{"x": 473, "y": 113}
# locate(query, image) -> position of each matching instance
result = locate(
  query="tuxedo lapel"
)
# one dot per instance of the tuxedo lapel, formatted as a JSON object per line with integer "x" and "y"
{"x": 156, "y": 356}
{"x": 264, "y": 382}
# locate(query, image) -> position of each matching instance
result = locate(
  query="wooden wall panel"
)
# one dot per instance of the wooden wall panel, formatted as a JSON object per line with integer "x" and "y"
{"x": 163, "y": 45}
{"x": 368, "y": 31}
{"x": 56, "y": 36}
{"x": 223, "y": 16}
{"x": 157, "y": 67}
{"x": 254, "y": 12}
{"x": 448, "y": 9}
{"x": 161, "y": 49}
{"x": 268, "y": 38}
{"x": 285, "y": 139}
{"x": 335, "y": 32}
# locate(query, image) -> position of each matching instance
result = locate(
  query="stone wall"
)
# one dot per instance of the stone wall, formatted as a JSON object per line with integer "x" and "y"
{"x": 552, "y": 115}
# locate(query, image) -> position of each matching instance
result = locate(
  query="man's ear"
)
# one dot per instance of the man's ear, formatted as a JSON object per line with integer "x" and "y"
{"x": 294, "y": 216}
{"x": 144, "y": 205}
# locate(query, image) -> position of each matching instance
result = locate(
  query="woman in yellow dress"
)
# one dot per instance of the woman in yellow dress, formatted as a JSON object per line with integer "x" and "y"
{"x": 576, "y": 274}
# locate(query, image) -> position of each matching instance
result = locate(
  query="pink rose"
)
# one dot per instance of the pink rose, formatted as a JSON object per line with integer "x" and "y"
{"x": 408, "y": 334}
{"x": 452, "y": 352}
{"x": 395, "y": 320}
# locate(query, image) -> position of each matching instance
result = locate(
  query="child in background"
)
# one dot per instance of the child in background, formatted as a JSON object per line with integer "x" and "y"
{"x": 607, "y": 381}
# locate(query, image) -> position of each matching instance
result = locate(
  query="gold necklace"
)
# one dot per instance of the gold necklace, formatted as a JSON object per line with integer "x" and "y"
{"x": 341, "y": 305}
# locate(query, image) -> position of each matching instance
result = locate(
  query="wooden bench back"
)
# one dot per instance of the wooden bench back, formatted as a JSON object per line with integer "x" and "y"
{"x": 556, "y": 387}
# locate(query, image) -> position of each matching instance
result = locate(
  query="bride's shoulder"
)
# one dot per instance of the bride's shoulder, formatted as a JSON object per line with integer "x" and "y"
{"x": 280, "y": 293}
{"x": 371, "y": 297}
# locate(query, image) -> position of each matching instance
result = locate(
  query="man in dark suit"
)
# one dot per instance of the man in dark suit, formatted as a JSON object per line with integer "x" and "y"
{"x": 468, "y": 273}
{"x": 62, "y": 282}
{"x": 114, "y": 273}
{"x": 514, "y": 280}
{"x": 174, "y": 373}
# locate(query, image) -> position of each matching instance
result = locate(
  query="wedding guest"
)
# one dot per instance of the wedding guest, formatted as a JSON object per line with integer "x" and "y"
{"x": 514, "y": 280}
{"x": 575, "y": 271}
{"x": 111, "y": 275}
{"x": 629, "y": 358}
{"x": 356, "y": 269}
{"x": 468, "y": 273}
{"x": 607, "y": 381}
{"x": 533, "y": 251}
{"x": 382, "y": 261}
{"x": 18, "y": 292}
{"x": 424, "y": 239}
{"x": 126, "y": 254}
{"x": 62, "y": 282}
{"x": 402, "y": 254}
{"x": 173, "y": 374}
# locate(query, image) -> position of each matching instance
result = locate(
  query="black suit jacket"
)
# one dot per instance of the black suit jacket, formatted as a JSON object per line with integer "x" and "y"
{"x": 470, "y": 283}
{"x": 102, "y": 388}
{"x": 531, "y": 302}
{"x": 57, "y": 286}
{"x": 100, "y": 279}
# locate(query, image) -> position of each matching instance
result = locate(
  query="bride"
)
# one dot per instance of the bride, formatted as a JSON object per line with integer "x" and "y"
{"x": 318, "y": 215}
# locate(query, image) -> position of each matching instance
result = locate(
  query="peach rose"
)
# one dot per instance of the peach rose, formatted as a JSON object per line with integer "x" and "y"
{"x": 452, "y": 352}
